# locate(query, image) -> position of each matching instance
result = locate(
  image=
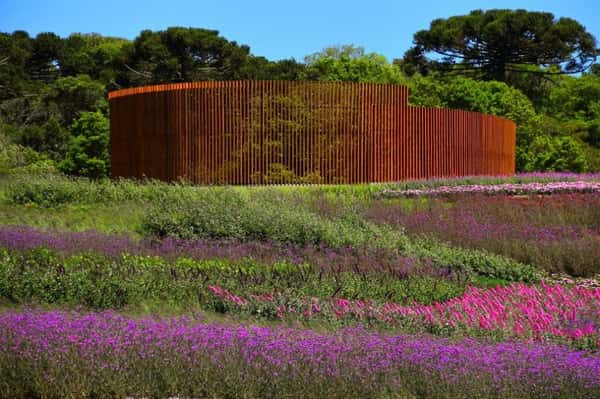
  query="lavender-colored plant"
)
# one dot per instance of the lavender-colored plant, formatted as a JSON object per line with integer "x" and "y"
{"x": 321, "y": 258}
{"x": 556, "y": 233}
{"x": 107, "y": 348}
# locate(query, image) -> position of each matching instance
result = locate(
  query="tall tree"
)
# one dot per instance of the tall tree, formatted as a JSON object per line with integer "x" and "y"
{"x": 44, "y": 62}
{"x": 574, "y": 106}
{"x": 94, "y": 55}
{"x": 182, "y": 54}
{"x": 494, "y": 43}
{"x": 15, "y": 52}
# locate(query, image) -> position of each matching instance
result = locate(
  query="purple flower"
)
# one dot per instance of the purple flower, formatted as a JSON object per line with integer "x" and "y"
{"x": 114, "y": 341}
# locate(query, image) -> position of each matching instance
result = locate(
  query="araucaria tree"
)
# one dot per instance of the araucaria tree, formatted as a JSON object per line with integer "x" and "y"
{"x": 494, "y": 44}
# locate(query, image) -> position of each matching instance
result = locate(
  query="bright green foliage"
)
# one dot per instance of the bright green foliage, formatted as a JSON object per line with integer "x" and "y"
{"x": 351, "y": 65}
{"x": 574, "y": 107}
{"x": 93, "y": 55}
{"x": 574, "y": 98}
{"x": 336, "y": 52}
{"x": 87, "y": 153}
{"x": 111, "y": 218}
{"x": 479, "y": 262}
{"x": 556, "y": 154}
{"x": 494, "y": 98}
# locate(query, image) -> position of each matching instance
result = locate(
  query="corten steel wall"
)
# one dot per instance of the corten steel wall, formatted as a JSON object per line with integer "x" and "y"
{"x": 265, "y": 132}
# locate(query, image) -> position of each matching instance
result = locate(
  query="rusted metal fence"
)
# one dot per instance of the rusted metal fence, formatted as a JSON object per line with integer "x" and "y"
{"x": 270, "y": 132}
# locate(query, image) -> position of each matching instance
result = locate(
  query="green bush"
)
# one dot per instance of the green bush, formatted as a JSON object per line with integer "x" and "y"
{"x": 48, "y": 191}
{"x": 87, "y": 151}
{"x": 263, "y": 216}
{"x": 224, "y": 213}
{"x": 51, "y": 190}
{"x": 559, "y": 154}
{"x": 479, "y": 262}
{"x": 15, "y": 156}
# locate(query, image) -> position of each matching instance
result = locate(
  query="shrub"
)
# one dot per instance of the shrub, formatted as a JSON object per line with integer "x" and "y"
{"x": 477, "y": 261}
{"x": 102, "y": 282}
{"x": 555, "y": 153}
{"x": 87, "y": 151}
{"x": 228, "y": 213}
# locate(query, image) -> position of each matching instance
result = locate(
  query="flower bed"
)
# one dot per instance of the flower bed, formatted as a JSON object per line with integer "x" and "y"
{"x": 544, "y": 312}
{"x": 107, "y": 352}
{"x": 505, "y": 188}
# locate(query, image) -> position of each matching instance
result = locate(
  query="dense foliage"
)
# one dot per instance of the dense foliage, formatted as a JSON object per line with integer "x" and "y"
{"x": 47, "y": 82}
{"x": 495, "y": 43}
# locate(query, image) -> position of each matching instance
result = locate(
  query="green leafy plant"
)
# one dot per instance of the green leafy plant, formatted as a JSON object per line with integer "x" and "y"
{"x": 87, "y": 152}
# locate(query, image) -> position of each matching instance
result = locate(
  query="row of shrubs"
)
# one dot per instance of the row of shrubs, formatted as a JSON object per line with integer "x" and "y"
{"x": 100, "y": 282}
{"x": 289, "y": 215}
{"x": 228, "y": 214}
{"x": 51, "y": 190}
{"x": 273, "y": 214}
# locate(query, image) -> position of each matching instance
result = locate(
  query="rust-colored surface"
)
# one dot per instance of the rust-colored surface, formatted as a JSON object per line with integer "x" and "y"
{"x": 269, "y": 132}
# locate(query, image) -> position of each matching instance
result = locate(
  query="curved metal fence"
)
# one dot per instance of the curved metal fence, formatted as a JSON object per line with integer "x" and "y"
{"x": 276, "y": 132}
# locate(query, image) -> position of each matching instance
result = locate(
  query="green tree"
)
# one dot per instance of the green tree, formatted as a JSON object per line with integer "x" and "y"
{"x": 50, "y": 138}
{"x": 574, "y": 98}
{"x": 351, "y": 65}
{"x": 491, "y": 97}
{"x": 15, "y": 52}
{"x": 336, "y": 52}
{"x": 74, "y": 94}
{"x": 97, "y": 56}
{"x": 555, "y": 154}
{"x": 43, "y": 63}
{"x": 571, "y": 108}
{"x": 575, "y": 104}
{"x": 13, "y": 155}
{"x": 259, "y": 68}
{"x": 87, "y": 152}
{"x": 182, "y": 54}
{"x": 493, "y": 43}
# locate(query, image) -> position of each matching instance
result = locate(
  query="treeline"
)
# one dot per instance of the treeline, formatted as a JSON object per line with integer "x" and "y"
{"x": 53, "y": 107}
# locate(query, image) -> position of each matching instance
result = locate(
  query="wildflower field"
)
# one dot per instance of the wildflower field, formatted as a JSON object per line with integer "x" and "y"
{"x": 480, "y": 287}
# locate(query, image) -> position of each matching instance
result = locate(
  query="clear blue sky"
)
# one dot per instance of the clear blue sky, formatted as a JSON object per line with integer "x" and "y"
{"x": 273, "y": 28}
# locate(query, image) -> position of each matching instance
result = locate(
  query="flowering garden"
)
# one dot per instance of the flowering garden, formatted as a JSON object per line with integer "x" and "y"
{"x": 481, "y": 287}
